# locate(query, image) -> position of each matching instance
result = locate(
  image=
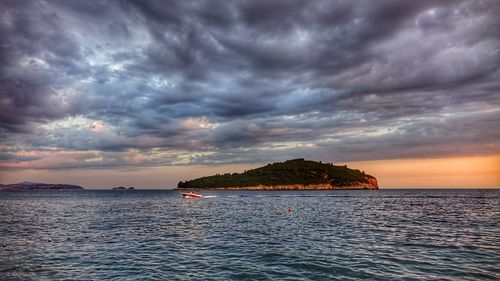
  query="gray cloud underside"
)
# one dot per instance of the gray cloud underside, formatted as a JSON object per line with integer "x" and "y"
{"x": 249, "y": 81}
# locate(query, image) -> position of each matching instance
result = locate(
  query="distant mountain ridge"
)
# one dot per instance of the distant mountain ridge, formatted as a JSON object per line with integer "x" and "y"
{"x": 288, "y": 175}
{"x": 27, "y": 185}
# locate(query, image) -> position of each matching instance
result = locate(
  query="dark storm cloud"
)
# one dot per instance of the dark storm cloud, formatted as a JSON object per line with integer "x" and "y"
{"x": 247, "y": 81}
{"x": 28, "y": 90}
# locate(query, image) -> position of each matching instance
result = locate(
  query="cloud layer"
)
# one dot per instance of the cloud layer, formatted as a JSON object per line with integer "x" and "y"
{"x": 148, "y": 83}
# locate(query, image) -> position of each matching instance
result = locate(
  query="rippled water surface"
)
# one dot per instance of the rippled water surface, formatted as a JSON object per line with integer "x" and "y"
{"x": 328, "y": 235}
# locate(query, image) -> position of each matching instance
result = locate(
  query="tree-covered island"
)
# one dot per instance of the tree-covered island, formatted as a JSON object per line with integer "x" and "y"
{"x": 288, "y": 175}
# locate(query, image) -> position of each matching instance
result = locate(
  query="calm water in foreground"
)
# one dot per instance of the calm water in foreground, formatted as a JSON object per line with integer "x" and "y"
{"x": 329, "y": 235}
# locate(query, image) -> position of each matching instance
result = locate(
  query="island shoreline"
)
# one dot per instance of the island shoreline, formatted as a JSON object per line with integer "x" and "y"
{"x": 358, "y": 186}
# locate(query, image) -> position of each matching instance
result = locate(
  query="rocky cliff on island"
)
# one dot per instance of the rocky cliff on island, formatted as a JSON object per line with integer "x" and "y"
{"x": 297, "y": 174}
{"x": 37, "y": 185}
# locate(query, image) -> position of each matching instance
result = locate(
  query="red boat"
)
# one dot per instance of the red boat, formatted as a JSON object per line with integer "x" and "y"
{"x": 191, "y": 195}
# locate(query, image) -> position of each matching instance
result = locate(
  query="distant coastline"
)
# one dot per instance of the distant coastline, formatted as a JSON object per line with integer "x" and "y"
{"x": 123, "y": 188}
{"x": 38, "y": 186}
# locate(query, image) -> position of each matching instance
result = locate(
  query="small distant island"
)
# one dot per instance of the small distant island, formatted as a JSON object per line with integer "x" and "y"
{"x": 296, "y": 174}
{"x": 123, "y": 188}
{"x": 26, "y": 185}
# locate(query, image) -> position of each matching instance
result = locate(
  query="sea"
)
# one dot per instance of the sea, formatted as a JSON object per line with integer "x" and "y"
{"x": 404, "y": 234}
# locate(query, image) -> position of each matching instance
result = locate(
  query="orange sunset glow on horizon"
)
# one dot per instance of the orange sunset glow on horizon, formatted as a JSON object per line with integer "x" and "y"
{"x": 454, "y": 172}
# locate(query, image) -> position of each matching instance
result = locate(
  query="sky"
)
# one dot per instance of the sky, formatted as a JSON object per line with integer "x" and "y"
{"x": 148, "y": 93}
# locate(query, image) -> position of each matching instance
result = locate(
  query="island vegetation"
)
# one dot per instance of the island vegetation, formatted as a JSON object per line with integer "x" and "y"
{"x": 291, "y": 174}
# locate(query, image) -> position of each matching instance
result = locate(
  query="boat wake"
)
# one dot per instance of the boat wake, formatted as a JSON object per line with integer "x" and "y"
{"x": 210, "y": 196}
